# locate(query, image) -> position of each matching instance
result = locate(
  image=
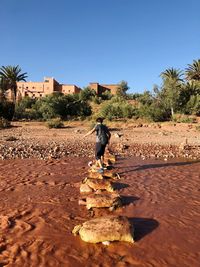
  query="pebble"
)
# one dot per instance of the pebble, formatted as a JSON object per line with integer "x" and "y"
{"x": 30, "y": 148}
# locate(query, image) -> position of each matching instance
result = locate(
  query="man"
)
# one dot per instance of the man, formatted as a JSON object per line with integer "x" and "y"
{"x": 102, "y": 139}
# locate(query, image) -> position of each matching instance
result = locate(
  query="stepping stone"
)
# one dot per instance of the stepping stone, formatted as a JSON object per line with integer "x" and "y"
{"x": 97, "y": 184}
{"x": 105, "y": 229}
{"x": 102, "y": 200}
{"x": 105, "y": 174}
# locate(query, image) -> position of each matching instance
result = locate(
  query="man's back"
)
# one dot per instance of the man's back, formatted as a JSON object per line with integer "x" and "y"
{"x": 102, "y": 133}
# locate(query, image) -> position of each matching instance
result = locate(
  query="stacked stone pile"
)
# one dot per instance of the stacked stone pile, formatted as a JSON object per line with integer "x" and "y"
{"x": 98, "y": 191}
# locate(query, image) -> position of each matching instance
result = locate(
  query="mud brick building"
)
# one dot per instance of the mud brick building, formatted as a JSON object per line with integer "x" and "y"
{"x": 101, "y": 88}
{"x": 48, "y": 86}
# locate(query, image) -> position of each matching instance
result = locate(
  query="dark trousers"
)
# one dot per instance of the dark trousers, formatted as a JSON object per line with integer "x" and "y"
{"x": 99, "y": 150}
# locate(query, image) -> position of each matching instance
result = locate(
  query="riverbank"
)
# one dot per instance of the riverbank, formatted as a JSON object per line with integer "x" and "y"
{"x": 35, "y": 140}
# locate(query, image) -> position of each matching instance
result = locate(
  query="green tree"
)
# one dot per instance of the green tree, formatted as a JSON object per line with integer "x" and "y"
{"x": 193, "y": 105}
{"x": 122, "y": 88}
{"x": 11, "y": 75}
{"x": 87, "y": 94}
{"x": 133, "y": 96}
{"x": 146, "y": 98}
{"x": 106, "y": 95}
{"x": 193, "y": 71}
{"x": 63, "y": 106}
{"x": 171, "y": 88}
{"x": 117, "y": 108}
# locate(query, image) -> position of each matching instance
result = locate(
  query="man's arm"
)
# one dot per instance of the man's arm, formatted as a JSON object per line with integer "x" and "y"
{"x": 109, "y": 135}
{"x": 90, "y": 132}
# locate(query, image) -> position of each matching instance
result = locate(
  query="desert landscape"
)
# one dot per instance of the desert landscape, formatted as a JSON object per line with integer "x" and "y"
{"x": 70, "y": 195}
{"x": 41, "y": 171}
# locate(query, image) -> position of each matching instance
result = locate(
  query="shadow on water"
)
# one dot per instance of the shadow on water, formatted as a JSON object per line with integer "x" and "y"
{"x": 143, "y": 227}
{"x": 118, "y": 186}
{"x": 153, "y": 166}
{"x": 126, "y": 200}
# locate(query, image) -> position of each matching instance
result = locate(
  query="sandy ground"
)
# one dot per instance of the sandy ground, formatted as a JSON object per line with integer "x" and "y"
{"x": 162, "y": 133}
{"x": 39, "y": 206}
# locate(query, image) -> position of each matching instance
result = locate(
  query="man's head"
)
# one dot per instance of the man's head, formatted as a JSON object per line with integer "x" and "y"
{"x": 99, "y": 120}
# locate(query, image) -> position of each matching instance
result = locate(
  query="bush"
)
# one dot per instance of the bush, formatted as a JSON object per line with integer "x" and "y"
{"x": 181, "y": 118}
{"x": 87, "y": 94}
{"x": 64, "y": 106}
{"x": 55, "y": 123}
{"x": 153, "y": 113}
{"x": 106, "y": 95}
{"x": 24, "y": 109}
{"x": 117, "y": 108}
{"x": 7, "y": 109}
{"x": 97, "y": 100}
{"x": 26, "y": 103}
{"x": 4, "y": 123}
{"x": 28, "y": 114}
{"x": 193, "y": 105}
{"x": 198, "y": 128}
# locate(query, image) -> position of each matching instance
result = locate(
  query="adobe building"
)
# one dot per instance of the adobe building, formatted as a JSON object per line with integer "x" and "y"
{"x": 101, "y": 88}
{"x": 48, "y": 86}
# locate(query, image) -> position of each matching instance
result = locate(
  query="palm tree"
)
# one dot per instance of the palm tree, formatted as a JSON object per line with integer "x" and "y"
{"x": 172, "y": 74}
{"x": 11, "y": 75}
{"x": 172, "y": 83}
{"x": 193, "y": 71}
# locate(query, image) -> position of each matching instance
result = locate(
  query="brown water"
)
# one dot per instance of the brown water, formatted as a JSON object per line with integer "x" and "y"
{"x": 39, "y": 208}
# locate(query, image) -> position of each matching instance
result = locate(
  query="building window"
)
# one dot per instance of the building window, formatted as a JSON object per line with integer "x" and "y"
{"x": 40, "y": 95}
{"x": 26, "y": 87}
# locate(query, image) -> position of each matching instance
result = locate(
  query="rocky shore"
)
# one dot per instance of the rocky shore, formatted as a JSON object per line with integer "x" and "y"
{"x": 57, "y": 150}
{"x": 36, "y": 141}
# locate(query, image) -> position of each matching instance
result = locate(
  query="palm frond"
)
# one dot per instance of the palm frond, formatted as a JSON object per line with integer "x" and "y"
{"x": 193, "y": 70}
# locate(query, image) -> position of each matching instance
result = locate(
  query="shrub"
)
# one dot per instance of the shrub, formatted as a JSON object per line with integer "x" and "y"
{"x": 4, "y": 123}
{"x": 117, "y": 108}
{"x": 64, "y": 106}
{"x": 97, "y": 100}
{"x": 87, "y": 94}
{"x": 198, "y": 128}
{"x": 7, "y": 109}
{"x": 193, "y": 105}
{"x": 28, "y": 114}
{"x": 181, "y": 118}
{"x": 55, "y": 123}
{"x": 106, "y": 95}
{"x": 24, "y": 109}
{"x": 154, "y": 112}
{"x": 26, "y": 103}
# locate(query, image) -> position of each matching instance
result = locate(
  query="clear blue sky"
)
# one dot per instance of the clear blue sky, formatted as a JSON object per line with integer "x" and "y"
{"x": 105, "y": 41}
